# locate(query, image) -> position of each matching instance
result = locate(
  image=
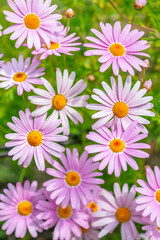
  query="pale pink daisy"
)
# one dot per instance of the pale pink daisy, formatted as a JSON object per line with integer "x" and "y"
{"x": 121, "y": 104}
{"x": 152, "y": 231}
{"x": 1, "y": 61}
{"x": 66, "y": 221}
{"x": 115, "y": 148}
{"x": 21, "y": 74}
{"x": 60, "y": 43}
{"x": 18, "y": 209}
{"x": 33, "y": 20}
{"x": 118, "y": 48}
{"x": 73, "y": 179}
{"x": 34, "y": 138}
{"x": 63, "y": 101}
{"x": 118, "y": 209}
{"x": 149, "y": 200}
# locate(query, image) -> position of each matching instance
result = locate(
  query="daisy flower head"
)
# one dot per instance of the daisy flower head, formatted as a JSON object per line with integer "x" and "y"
{"x": 118, "y": 208}
{"x": 121, "y": 104}
{"x": 63, "y": 101}
{"x": 18, "y": 209}
{"x": 1, "y": 61}
{"x": 116, "y": 148}
{"x": 21, "y": 73}
{"x": 74, "y": 179}
{"x": 33, "y": 21}
{"x": 34, "y": 138}
{"x": 118, "y": 48}
{"x": 66, "y": 221}
{"x": 149, "y": 200}
{"x": 60, "y": 43}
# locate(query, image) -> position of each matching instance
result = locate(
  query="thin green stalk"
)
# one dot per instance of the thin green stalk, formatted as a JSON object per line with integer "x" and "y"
{"x": 90, "y": 73}
{"x": 52, "y": 61}
{"x": 22, "y": 175}
{"x": 67, "y": 26}
{"x": 24, "y": 100}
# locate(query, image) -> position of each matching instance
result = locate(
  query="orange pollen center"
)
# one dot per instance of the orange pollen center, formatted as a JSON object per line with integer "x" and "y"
{"x": 72, "y": 178}
{"x": 25, "y": 208}
{"x": 157, "y": 195}
{"x": 64, "y": 213}
{"x": 93, "y": 206}
{"x": 84, "y": 230}
{"x": 123, "y": 214}
{"x": 158, "y": 228}
{"x": 53, "y": 45}
{"x": 32, "y": 21}
{"x": 59, "y": 102}
{"x": 117, "y": 49}
{"x": 34, "y": 138}
{"x": 120, "y": 109}
{"x": 117, "y": 145}
{"x": 20, "y": 77}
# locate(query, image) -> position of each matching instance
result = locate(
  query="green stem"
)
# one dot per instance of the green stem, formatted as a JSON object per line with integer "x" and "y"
{"x": 52, "y": 61}
{"x": 24, "y": 100}
{"x": 144, "y": 74}
{"x": 22, "y": 174}
{"x": 130, "y": 22}
{"x": 155, "y": 113}
{"x": 90, "y": 73}
{"x": 67, "y": 26}
{"x": 133, "y": 18}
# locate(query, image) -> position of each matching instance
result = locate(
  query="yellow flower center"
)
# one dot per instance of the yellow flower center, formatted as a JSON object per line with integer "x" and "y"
{"x": 93, "y": 206}
{"x": 117, "y": 145}
{"x": 25, "y": 208}
{"x": 53, "y": 45}
{"x": 84, "y": 230}
{"x": 64, "y": 213}
{"x": 123, "y": 214}
{"x": 59, "y": 102}
{"x": 34, "y": 138}
{"x": 117, "y": 49}
{"x": 157, "y": 195}
{"x": 120, "y": 109}
{"x": 32, "y": 21}
{"x": 158, "y": 228}
{"x": 20, "y": 77}
{"x": 72, "y": 178}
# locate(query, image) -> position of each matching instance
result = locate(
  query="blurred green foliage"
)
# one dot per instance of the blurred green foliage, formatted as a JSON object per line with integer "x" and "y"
{"x": 88, "y": 14}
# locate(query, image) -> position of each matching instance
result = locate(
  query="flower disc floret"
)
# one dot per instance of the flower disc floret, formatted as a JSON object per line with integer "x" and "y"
{"x": 120, "y": 109}
{"x": 32, "y": 21}
{"x": 25, "y": 208}
{"x": 20, "y": 77}
{"x": 73, "y": 178}
{"x": 34, "y": 138}
{"x": 117, "y": 49}
{"x": 123, "y": 214}
{"x": 59, "y": 102}
{"x": 64, "y": 213}
{"x": 157, "y": 195}
{"x": 117, "y": 145}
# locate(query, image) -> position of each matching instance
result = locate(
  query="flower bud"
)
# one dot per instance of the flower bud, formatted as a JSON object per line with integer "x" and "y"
{"x": 147, "y": 85}
{"x": 91, "y": 78}
{"x": 139, "y": 4}
{"x": 69, "y": 13}
{"x": 148, "y": 64}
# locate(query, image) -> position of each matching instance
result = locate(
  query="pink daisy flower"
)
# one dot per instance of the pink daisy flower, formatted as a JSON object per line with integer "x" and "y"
{"x": 152, "y": 231}
{"x": 1, "y": 61}
{"x": 149, "y": 200}
{"x": 73, "y": 180}
{"x": 118, "y": 48}
{"x": 66, "y": 221}
{"x": 116, "y": 148}
{"x": 18, "y": 209}
{"x": 21, "y": 73}
{"x": 118, "y": 209}
{"x": 33, "y": 20}
{"x": 121, "y": 104}
{"x": 34, "y": 137}
{"x": 60, "y": 44}
{"x": 63, "y": 102}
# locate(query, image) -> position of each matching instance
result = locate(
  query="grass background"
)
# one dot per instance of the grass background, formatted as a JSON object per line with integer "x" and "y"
{"x": 88, "y": 14}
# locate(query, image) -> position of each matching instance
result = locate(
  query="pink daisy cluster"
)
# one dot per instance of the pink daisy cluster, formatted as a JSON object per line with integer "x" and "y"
{"x": 118, "y": 48}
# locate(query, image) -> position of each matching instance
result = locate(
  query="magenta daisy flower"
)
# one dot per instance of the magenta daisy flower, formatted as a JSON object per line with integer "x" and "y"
{"x": 118, "y": 48}
{"x": 66, "y": 221}
{"x": 63, "y": 102}
{"x": 118, "y": 209}
{"x": 121, "y": 104}
{"x": 21, "y": 73}
{"x": 60, "y": 44}
{"x": 17, "y": 209}
{"x": 149, "y": 200}
{"x": 36, "y": 138}
{"x": 116, "y": 148}
{"x": 33, "y": 20}
{"x": 1, "y": 61}
{"x": 73, "y": 180}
